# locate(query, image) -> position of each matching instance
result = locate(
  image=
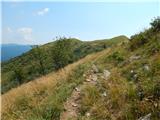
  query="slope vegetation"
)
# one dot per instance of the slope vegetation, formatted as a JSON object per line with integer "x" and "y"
{"x": 121, "y": 82}
{"x": 28, "y": 65}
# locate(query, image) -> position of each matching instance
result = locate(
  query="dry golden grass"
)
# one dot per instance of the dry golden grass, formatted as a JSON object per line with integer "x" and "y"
{"x": 45, "y": 83}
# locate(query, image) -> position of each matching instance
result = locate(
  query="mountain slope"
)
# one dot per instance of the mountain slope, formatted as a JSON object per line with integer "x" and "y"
{"x": 121, "y": 83}
{"x": 37, "y": 89}
{"x": 27, "y": 64}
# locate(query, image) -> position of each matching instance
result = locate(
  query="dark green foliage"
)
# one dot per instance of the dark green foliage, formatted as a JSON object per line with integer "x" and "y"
{"x": 62, "y": 53}
{"x": 18, "y": 75}
{"x": 154, "y": 45}
{"x": 146, "y": 36}
{"x": 138, "y": 40}
{"x": 155, "y": 24}
{"x": 38, "y": 55}
{"x": 116, "y": 57}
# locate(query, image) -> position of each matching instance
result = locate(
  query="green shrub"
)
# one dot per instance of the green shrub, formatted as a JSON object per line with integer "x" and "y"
{"x": 155, "y": 24}
{"x": 38, "y": 55}
{"x": 144, "y": 37}
{"x": 18, "y": 75}
{"x": 153, "y": 45}
{"x": 116, "y": 57}
{"x": 138, "y": 40}
{"x": 62, "y": 53}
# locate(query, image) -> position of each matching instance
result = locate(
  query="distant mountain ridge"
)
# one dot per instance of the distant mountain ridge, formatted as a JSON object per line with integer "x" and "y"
{"x": 12, "y": 50}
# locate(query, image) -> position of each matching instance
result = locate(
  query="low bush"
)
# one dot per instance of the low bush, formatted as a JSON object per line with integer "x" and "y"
{"x": 138, "y": 40}
{"x": 146, "y": 36}
{"x": 116, "y": 58}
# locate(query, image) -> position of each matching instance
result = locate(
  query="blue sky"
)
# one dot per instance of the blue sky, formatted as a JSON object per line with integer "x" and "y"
{"x": 40, "y": 22}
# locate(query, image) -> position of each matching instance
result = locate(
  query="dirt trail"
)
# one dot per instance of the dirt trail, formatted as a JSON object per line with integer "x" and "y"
{"x": 72, "y": 104}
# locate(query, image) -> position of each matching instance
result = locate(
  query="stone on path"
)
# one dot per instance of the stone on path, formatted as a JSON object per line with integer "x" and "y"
{"x": 88, "y": 80}
{"x": 73, "y": 102}
{"x": 74, "y": 105}
{"x": 94, "y": 77}
{"x": 147, "y": 117}
{"x": 132, "y": 71}
{"x": 106, "y": 74}
{"x": 134, "y": 57}
{"x": 84, "y": 75}
{"x": 104, "y": 94}
{"x": 94, "y": 68}
{"x": 88, "y": 114}
{"x": 146, "y": 67}
{"x": 77, "y": 89}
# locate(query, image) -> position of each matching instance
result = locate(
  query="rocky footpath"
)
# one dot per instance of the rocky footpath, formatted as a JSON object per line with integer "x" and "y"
{"x": 72, "y": 104}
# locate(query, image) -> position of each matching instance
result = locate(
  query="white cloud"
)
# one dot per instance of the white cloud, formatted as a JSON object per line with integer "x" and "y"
{"x": 25, "y": 30}
{"x": 43, "y": 11}
{"x": 25, "y": 33}
{"x": 8, "y": 30}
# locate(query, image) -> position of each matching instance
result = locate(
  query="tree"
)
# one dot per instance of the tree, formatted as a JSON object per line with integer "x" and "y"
{"x": 155, "y": 24}
{"x": 18, "y": 75}
{"x": 39, "y": 57}
{"x": 62, "y": 52}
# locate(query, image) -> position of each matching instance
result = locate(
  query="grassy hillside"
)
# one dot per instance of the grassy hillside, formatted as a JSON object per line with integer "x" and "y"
{"x": 28, "y": 66}
{"x": 121, "y": 82}
{"x": 43, "y": 92}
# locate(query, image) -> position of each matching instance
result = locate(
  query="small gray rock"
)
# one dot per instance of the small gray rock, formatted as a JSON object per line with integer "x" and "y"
{"x": 74, "y": 105}
{"x": 132, "y": 71}
{"x": 88, "y": 114}
{"x": 104, "y": 94}
{"x": 135, "y": 76}
{"x": 94, "y": 77}
{"x": 134, "y": 57}
{"x": 77, "y": 89}
{"x": 147, "y": 117}
{"x": 88, "y": 80}
{"x": 146, "y": 67}
{"x": 94, "y": 68}
{"x": 106, "y": 74}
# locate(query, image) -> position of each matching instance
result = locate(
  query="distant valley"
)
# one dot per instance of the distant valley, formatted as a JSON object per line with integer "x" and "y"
{"x": 9, "y": 51}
